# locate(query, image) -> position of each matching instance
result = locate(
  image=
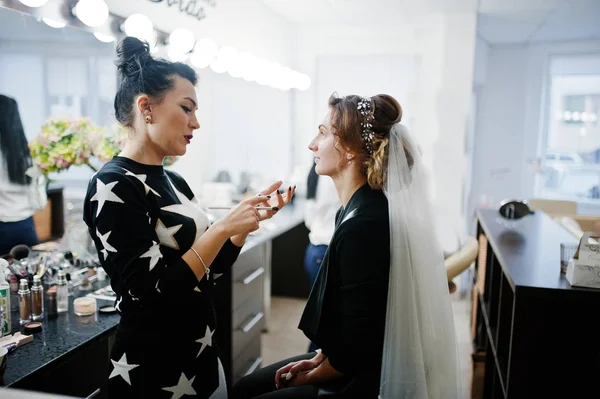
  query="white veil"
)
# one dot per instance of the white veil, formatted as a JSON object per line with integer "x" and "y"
{"x": 420, "y": 357}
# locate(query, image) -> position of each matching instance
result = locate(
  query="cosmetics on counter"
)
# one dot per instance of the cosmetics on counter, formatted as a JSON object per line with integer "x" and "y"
{"x": 84, "y": 306}
{"x": 24, "y": 302}
{"x": 37, "y": 299}
{"x": 4, "y": 299}
{"x": 62, "y": 294}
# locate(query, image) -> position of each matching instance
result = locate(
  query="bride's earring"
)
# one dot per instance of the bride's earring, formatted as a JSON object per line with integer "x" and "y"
{"x": 349, "y": 158}
{"x": 148, "y": 119}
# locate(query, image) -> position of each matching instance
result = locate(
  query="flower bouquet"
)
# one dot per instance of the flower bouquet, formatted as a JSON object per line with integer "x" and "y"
{"x": 64, "y": 143}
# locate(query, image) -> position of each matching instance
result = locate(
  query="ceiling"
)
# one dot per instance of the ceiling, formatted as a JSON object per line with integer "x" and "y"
{"x": 560, "y": 20}
{"x": 500, "y": 21}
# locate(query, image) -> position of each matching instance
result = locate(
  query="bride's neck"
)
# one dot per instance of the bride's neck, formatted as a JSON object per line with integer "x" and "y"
{"x": 347, "y": 182}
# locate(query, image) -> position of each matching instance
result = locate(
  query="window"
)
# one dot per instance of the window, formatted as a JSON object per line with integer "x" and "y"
{"x": 571, "y": 159}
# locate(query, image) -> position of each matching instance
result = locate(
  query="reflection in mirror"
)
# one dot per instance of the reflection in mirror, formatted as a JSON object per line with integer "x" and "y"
{"x": 56, "y": 73}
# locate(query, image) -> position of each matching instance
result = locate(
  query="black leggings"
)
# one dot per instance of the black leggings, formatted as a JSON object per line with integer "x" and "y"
{"x": 261, "y": 384}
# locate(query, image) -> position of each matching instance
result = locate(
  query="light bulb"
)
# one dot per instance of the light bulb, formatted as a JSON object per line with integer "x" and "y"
{"x": 303, "y": 82}
{"x": 54, "y": 23}
{"x": 93, "y": 13}
{"x": 140, "y": 26}
{"x": 200, "y": 60}
{"x": 218, "y": 66}
{"x": 103, "y": 37}
{"x": 34, "y": 3}
{"x": 182, "y": 40}
{"x": 206, "y": 47}
{"x": 228, "y": 55}
{"x": 175, "y": 55}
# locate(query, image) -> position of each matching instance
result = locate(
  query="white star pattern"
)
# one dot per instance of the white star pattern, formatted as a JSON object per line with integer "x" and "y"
{"x": 119, "y": 300}
{"x": 188, "y": 209}
{"x": 132, "y": 297}
{"x": 104, "y": 193}
{"x": 197, "y": 289}
{"x": 122, "y": 368}
{"x": 165, "y": 234}
{"x": 154, "y": 254}
{"x": 105, "y": 244}
{"x": 206, "y": 340}
{"x": 183, "y": 387}
{"x": 142, "y": 179}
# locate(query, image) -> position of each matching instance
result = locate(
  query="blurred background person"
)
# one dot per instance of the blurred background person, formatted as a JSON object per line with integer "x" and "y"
{"x": 18, "y": 200}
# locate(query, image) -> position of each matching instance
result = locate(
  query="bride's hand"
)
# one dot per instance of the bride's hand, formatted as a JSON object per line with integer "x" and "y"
{"x": 296, "y": 367}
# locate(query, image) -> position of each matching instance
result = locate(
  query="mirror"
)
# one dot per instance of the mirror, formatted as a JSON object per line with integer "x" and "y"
{"x": 56, "y": 73}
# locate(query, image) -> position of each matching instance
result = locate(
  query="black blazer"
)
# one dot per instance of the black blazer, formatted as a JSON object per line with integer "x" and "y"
{"x": 346, "y": 310}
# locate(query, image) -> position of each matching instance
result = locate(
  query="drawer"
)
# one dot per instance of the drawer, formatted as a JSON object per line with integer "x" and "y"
{"x": 246, "y": 311}
{"x": 248, "y": 361}
{"x": 249, "y": 261}
{"x": 248, "y": 288}
{"x": 249, "y": 329}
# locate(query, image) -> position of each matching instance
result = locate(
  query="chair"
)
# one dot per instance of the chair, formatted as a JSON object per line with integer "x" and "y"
{"x": 460, "y": 260}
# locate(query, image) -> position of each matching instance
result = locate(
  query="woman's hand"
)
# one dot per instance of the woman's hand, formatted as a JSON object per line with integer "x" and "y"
{"x": 243, "y": 218}
{"x": 276, "y": 198}
{"x": 275, "y": 201}
{"x": 295, "y": 369}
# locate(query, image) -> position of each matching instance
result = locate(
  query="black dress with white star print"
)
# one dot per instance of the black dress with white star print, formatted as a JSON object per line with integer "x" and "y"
{"x": 142, "y": 219}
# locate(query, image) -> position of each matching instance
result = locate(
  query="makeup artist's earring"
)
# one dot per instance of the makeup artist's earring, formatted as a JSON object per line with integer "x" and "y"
{"x": 148, "y": 119}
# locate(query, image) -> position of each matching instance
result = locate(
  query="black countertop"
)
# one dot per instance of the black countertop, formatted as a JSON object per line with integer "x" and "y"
{"x": 528, "y": 249}
{"x": 67, "y": 332}
{"x": 59, "y": 337}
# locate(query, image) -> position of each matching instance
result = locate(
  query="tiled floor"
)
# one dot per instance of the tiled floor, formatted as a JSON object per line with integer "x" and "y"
{"x": 284, "y": 340}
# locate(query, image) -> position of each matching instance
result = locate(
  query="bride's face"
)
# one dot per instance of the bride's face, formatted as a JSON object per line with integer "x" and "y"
{"x": 323, "y": 146}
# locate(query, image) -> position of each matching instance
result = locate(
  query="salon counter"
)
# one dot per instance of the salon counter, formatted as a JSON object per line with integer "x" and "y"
{"x": 62, "y": 357}
{"x": 70, "y": 355}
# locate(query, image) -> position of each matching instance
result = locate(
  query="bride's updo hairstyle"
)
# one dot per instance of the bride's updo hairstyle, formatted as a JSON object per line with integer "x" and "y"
{"x": 362, "y": 124}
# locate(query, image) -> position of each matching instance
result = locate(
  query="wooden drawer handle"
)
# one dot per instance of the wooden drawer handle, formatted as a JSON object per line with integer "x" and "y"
{"x": 252, "y": 322}
{"x": 253, "y": 276}
{"x": 254, "y": 366}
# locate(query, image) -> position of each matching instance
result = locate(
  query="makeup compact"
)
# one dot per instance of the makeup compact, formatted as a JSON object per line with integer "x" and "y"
{"x": 32, "y": 327}
{"x": 109, "y": 309}
{"x": 85, "y": 306}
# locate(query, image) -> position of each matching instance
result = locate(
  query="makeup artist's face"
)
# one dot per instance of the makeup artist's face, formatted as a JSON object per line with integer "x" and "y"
{"x": 174, "y": 118}
{"x": 323, "y": 146}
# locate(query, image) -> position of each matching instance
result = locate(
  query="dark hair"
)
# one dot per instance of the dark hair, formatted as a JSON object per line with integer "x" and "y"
{"x": 13, "y": 142}
{"x": 346, "y": 125}
{"x": 140, "y": 73}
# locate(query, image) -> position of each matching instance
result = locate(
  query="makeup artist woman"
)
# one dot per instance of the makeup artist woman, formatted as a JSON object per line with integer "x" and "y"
{"x": 156, "y": 245}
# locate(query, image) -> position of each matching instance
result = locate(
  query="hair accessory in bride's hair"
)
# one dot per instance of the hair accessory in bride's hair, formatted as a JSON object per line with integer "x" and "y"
{"x": 364, "y": 107}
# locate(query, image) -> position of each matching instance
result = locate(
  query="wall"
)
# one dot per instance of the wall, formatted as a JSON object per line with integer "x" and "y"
{"x": 444, "y": 46}
{"x": 510, "y": 126}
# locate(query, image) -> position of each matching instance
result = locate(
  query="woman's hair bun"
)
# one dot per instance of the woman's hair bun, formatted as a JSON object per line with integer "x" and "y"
{"x": 132, "y": 54}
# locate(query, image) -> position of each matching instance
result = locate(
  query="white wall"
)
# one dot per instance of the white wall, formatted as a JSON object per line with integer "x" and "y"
{"x": 510, "y": 124}
{"x": 444, "y": 46}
